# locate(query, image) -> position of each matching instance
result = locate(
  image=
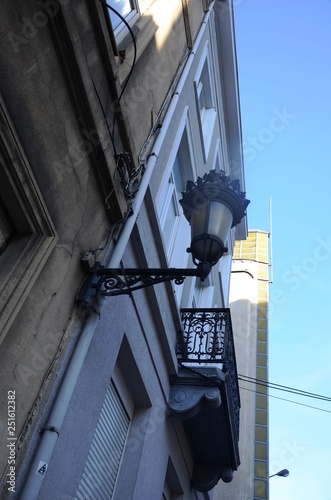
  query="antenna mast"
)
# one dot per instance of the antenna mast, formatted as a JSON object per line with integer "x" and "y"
{"x": 271, "y": 274}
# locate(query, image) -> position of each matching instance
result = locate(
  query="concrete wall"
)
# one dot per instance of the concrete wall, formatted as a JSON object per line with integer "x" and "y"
{"x": 243, "y": 305}
{"x": 50, "y": 138}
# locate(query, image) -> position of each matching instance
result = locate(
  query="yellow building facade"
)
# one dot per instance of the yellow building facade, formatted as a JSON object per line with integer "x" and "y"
{"x": 249, "y": 308}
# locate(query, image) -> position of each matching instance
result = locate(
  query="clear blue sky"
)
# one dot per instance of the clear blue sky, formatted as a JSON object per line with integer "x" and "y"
{"x": 284, "y": 62}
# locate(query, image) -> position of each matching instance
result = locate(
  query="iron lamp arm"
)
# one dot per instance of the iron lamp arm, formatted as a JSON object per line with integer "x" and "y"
{"x": 111, "y": 282}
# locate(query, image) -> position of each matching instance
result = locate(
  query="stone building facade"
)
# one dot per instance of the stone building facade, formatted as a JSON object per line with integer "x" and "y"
{"x": 103, "y": 121}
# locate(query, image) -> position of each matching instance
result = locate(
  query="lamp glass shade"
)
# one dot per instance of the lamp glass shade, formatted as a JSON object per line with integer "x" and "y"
{"x": 212, "y": 205}
{"x": 210, "y": 227}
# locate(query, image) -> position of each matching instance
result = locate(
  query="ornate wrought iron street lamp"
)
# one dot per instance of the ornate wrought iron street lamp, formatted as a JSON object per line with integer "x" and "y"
{"x": 212, "y": 205}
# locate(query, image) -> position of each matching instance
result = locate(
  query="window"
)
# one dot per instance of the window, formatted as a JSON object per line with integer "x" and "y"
{"x": 6, "y": 228}
{"x": 205, "y": 101}
{"x": 171, "y": 207}
{"x": 204, "y": 91}
{"x": 166, "y": 495}
{"x": 106, "y": 450}
{"x": 123, "y": 7}
{"x": 219, "y": 163}
{"x": 127, "y": 9}
{"x": 174, "y": 226}
{"x": 202, "y": 292}
{"x": 27, "y": 234}
{"x": 139, "y": 16}
{"x": 172, "y": 489}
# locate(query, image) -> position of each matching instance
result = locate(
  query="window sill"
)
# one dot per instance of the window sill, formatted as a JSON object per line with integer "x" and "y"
{"x": 25, "y": 256}
{"x": 144, "y": 31}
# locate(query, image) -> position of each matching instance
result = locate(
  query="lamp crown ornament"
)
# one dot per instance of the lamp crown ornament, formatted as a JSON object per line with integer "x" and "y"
{"x": 216, "y": 185}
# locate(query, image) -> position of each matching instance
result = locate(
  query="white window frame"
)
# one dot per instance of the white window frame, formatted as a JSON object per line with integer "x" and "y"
{"x": 202, "y": 293}
{"x": 131, "y": 18}
{"x": 167, "y": 193}
{"x": 219, "y": 158}
{"x": 204, "y": 85}
{"x": 170, "y": 199}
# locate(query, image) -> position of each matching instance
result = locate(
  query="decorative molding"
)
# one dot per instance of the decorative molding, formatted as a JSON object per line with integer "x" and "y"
{"x": 201, "y": 398}
{"x": 187, "y": 401}
{"x": 34, "y": 232}
{"x": 206, "y": 476}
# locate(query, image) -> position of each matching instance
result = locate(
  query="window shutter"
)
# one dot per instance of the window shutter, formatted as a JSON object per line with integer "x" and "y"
{"x": 104, "y": 457}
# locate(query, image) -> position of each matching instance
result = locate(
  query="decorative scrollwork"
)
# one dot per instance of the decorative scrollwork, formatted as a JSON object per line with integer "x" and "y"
{"x": 119, "y": 282}
{"x": 207, "y": 337}
{"x": 232, "y": 369}
{"x": 203, "y": 335}
{"x": 110, "y": 281}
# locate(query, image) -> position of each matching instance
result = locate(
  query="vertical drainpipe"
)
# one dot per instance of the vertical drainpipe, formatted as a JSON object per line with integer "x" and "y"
{"x": 51, "y": 431}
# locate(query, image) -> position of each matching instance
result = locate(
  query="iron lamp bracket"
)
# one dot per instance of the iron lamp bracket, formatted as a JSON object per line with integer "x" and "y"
{"x": 108, "y": 282}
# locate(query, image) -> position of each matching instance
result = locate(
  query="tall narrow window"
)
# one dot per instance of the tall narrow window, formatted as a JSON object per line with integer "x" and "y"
{"x": 173, "y": 223}
{"x": 204, "y": 91}
{"x": 172, "y": 488}
{"x": 205, "y": 101}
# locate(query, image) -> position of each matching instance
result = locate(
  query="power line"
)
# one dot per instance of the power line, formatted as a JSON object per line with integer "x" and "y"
{"x": 112, "y": 133}
{"x": 284, "y": 399}
{"x": 283, "y": 388}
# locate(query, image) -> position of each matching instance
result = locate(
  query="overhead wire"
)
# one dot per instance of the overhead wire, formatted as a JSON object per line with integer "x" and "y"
{"x": 106, "y": 120}
{"x": 270, "y": 385}
{"x": 134, "y": 53}
{"x": 264, "y": 383}
{"x": 284, "y": 388}
{"x": 284, "y": 399}
{"x": 127, "y": 181}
